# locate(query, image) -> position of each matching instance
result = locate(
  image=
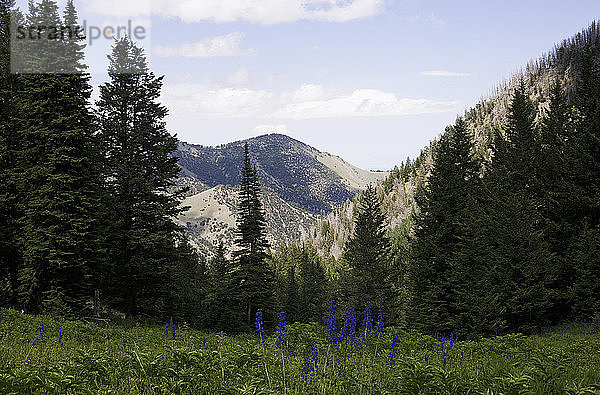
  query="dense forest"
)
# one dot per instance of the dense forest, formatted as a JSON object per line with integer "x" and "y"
{"x": 503, "y": 235}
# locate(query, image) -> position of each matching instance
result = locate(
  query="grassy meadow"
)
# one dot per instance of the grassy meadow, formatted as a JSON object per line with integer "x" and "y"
{"x": 76, "y": 357}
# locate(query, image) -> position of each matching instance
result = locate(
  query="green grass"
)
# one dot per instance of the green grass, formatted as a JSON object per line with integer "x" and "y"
{"x": 135, "y": 360}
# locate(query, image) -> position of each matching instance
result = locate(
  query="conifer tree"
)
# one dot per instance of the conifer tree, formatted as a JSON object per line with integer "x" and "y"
{"x": 518, "y": 264}
{"x": 217, "y": 300}
{"x": 313, "y": 287}
{"x": 144, "y": 244}
{"x": 10, "y": 255}
{"x": 292, "y": 301}
{"x": 252, "y": 280}
{"x": 440, "y": 226}
{"x": 559, "y": 202}
{"x": 587, "y": 139}
{"x": 584, "y": 163}
{"x": 59, "y": 177}
{"x": 367, "y": 253}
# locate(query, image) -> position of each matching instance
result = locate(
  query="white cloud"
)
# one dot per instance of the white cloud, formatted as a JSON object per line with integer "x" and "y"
{"x": 309, "y": 101}
{"x": 240, "y": 77}
{"x": 443, "y": 73}
{"x": 362, "y": 103}
{"x": 265, "y": 12}
{"x": 204, "y": 103}
{"x": 227, "y": 45}
{"x": 273, "y": 78}
{"x": 307, "y": 92}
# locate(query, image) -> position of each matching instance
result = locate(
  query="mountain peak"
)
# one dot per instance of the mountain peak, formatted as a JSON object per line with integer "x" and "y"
{"x": 299, "y": 173}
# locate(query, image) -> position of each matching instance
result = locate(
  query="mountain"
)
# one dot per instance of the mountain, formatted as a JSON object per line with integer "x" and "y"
{"x": 300, "y": 183}
{"x": 298, "y": 173}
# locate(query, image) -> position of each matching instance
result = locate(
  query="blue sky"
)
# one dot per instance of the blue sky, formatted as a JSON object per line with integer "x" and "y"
{"x": 370, "y": 80}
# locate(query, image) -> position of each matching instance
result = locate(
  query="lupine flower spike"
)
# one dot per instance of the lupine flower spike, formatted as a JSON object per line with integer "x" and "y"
{"x": 349, "y": 329}
{"x": 310, "y": 365}
{"x": 38, "y": 338}
{"x": 281, "y": 330}
{"x": 172, "y": 330}
{"x": 380, "y": 321}
{"x": 331, "y": 327}
{"x": 258, "y": 323}
{"x": 393, "y": 351}
{"x": 367, "y": 321}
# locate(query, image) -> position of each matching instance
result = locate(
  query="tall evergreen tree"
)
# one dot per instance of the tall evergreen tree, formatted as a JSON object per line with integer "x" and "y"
{"x": 367, "y": 253}
{"x": 559, "y": 201}
{"x": 252, "y": 278}
{"x": 59, "y": 177}
{"x": 10, "y": 255}
{"x": 584, "y": 163}
{"x": 292, "y": 302}
{"x": 217, "y": 300}
{"x": 516, "y": 258}
{"x": 138, "y": 176}
{"x": 587, "y": 139}
{"x": 313, "y": 287}
{"x": 440, "y": 226}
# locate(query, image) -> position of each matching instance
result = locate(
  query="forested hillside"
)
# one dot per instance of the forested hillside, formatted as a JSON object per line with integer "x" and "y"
{"x": 495, "y": 225}
{"x": 562, "y": 63}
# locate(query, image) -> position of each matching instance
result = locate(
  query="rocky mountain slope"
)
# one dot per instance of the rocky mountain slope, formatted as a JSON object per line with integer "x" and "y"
{"x": 298, "y": 173}
{"x": 299, "y": 184}
{"x": 562, "y": 63}
{"x": 211, "y": 219}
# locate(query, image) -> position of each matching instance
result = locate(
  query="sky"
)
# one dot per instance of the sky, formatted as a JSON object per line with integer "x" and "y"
{"x": 372, "y": 81}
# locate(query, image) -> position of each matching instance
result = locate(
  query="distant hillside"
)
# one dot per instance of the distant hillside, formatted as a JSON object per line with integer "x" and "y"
{"x": 562, "y": 63}
{"x": 299, "y": 183}
{"x": 298, "y": 173}
{"x": 212, "y": 219}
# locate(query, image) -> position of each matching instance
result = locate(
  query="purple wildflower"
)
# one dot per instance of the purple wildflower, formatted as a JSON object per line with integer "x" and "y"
{"x": 258, "y": 323}
{"x": 331, "y": 327}
{"x": 281, "y": 330}
{"x": 393, "y": 351}
{"x": 367, "y": 320}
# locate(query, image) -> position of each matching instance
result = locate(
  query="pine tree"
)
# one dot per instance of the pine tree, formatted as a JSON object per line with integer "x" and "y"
{"x": 252, "y": 279}
{"x": 138, "y": 177}
{"x": 58, "y": 180}
{"x": 587, "y": 140}
{"x": 186, "y": 286}
{"x": 10, "y": 255}
{"x": 292, "y": 301}
{"x": 366, "y": 253}
{"x": 313, "y": 287}
{"x": 584, "y": 197}
{"x": 559, "y": 201}
{"x": 517, "y": 262}
{"x": 439, "y": 230}
{"x": 217, "y": 300}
